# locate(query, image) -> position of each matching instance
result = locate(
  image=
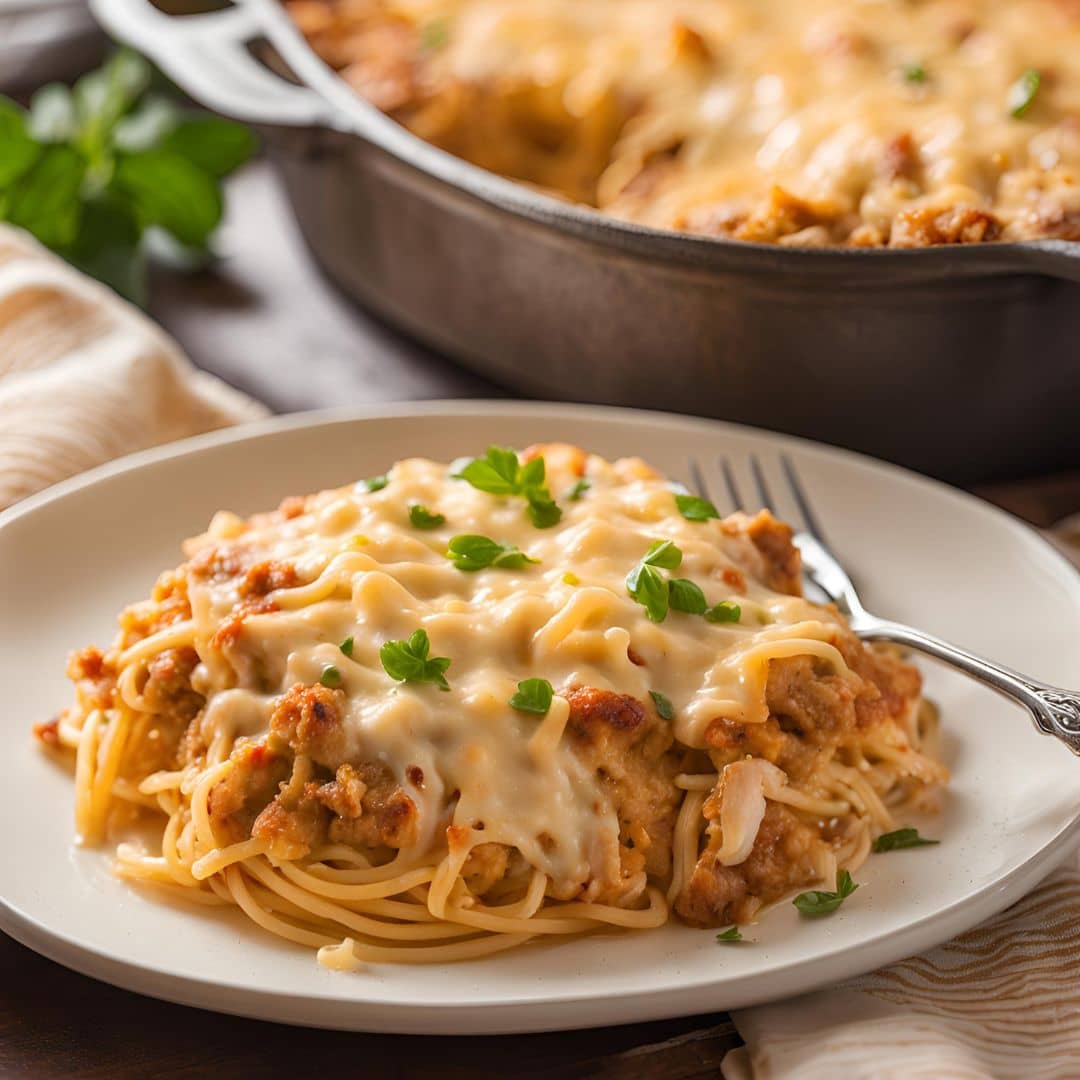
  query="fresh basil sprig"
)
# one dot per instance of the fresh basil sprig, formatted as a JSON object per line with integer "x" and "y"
{"x": 88, "y": 170}
{"x": 733, "y": 933}
{"x": 901, "y": 838}
{"x": 533, "y": 696}
{"x": 818, "y": 902}
{"x": 471, "y": 552}
{"x": 684, "y": 595}
{"x": 499, "y": 472}
{"x": 408, "y": 661}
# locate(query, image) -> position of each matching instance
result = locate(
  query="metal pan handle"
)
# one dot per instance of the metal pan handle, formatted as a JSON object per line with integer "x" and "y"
{"x": 208, "y": 55}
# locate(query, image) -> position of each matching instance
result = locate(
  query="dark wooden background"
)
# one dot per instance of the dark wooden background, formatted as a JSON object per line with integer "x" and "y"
{"x": 266, "y": 322}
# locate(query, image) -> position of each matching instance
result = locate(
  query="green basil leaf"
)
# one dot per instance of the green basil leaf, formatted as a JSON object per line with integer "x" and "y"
{"x": 471, "y": 552}
{"x": 172, "y": 193}
{"x": 107, "y": 247}
{"x": 373, "y": 483}
{"x": 844, "y": 885}
{"x": 664, "y": 709}
{"x": 533, "y": 696}
{"x": 725, "y": 611}
{"x": 216, "y": 146}
{"x": 731, "y": 934}
{"x": 407, "y": 661}
{"x": 647, "y": 586}
{"x": 331, "y": 677}
{"x": 52, "y": 114}
{"x": 579, "y": 489}
{"x": 533, "y": 473}
{"x": 694, "y": 509}
{"x": 685, "y": 596}
{"x": 901, "y": 838}
{"x": 663, "y": 553}
{"x": 1023, "y": 92}
{"x": 45, "y": 200}
{"x": 18, "y": 151}
{"x": 422, "y": 518}
{"x": 486, "y": 477}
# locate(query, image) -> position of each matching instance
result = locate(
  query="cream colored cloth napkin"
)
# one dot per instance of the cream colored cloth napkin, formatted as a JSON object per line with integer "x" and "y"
{"x": 1001, "y": 1001}
{"x": 85, "y": 377}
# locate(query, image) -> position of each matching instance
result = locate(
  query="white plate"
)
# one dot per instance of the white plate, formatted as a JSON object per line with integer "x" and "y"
{"x": 72, "y": 557}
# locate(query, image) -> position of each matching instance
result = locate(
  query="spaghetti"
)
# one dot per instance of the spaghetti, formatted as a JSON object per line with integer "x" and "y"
{"x": 278, "y": 707}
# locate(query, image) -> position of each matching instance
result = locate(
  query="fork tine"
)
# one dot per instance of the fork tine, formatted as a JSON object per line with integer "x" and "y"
{"x": 762, "y": 487}
{"x": 798, "y": 493}
{"x": 729, "y": 483}
{"x": 697, "y": 478}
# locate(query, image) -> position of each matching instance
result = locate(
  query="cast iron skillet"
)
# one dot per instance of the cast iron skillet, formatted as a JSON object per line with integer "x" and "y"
{"x": 960, "y": 361}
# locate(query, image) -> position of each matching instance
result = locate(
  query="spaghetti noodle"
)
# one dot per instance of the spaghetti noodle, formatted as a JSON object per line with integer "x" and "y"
{"x": 702, "y": 757}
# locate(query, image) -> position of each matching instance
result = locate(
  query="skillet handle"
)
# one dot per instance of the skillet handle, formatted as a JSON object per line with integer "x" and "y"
{"x": 207, "y": 55}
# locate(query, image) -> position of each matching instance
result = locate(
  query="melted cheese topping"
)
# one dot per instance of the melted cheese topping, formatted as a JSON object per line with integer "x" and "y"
{"x": 687, "y": 113}
{"x": 369, "y": 575}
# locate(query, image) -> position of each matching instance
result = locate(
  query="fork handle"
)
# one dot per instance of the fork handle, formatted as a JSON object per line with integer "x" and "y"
{"x": 1054, "y": 711}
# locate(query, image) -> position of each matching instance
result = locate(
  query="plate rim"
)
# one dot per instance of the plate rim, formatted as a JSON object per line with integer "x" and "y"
{"x": 443, "y": 1017}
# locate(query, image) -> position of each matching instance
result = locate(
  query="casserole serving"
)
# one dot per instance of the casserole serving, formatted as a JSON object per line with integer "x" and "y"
{"x": 957, "y": 360}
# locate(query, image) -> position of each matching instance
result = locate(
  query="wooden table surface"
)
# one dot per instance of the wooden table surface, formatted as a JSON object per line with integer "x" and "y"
{"x": 267, "y": 322}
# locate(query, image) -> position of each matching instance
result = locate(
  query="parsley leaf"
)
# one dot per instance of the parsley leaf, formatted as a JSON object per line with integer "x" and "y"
{"x": 330, "y": 677}
{"x": 685, "y": 596}
{"x": 373, "y": 483}
{"x": 578, "y": 490}
{"x": 407, "y": 661}
{"x": 818, "y": 902}
{"x": 694, "y": 509}
{"x": 347, "y": 646}
{"x": 500, "y": 473}
{"x": 901, "y": 838}
{"x": 422, "y": 518}
{"x": 533, "y": 696}
{"x": 725, "y": 611}
{"x": 471, "y": 552}
{"x": 1023, "y": 92}
{"x": 663, "y": 553}
{"x": 664, "y": 709}
{"x": 731, "y": 934}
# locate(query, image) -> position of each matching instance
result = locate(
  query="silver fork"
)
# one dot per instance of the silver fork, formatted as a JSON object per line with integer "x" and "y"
{"x": 1054, "y": 711}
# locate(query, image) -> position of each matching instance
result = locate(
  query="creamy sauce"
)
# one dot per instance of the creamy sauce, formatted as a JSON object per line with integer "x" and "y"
{"x": 745, "y": 94}
{"x": 368, "y": 574}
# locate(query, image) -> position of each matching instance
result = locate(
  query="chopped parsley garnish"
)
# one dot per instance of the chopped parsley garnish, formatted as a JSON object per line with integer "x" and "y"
{"x": 435, "y": 34}
{"x": 647, "y": 585}
{"x": 731, "y": 934}
{"x": 578, "y": 490}
{"x": 915, "y": 73}
{"x": 725, "y": 611}
{"x": 685, "y": 596}
{"x": 695, "y": 509}
{"x": 407, "y": 661}
{"x": 901, "y": 838}
{"x": 470, "y": 552}
{"x": 818, "y": 902}
{"x": 533, "y": 696}
{"x": 664, "y": 709}
{"x": 1022, "y": 93}
{"x": 330, "y": 677}
{"x": 422, "y": 518}
{"x": 500, "y": 473}
{"x": 373, "y": 483}
{"x": 347, "y": 646}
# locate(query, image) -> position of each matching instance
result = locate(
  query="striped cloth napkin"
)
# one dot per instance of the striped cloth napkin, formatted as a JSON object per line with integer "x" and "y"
{"x": 84, "y": 377}
{"x": 1001, "y": 1002}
